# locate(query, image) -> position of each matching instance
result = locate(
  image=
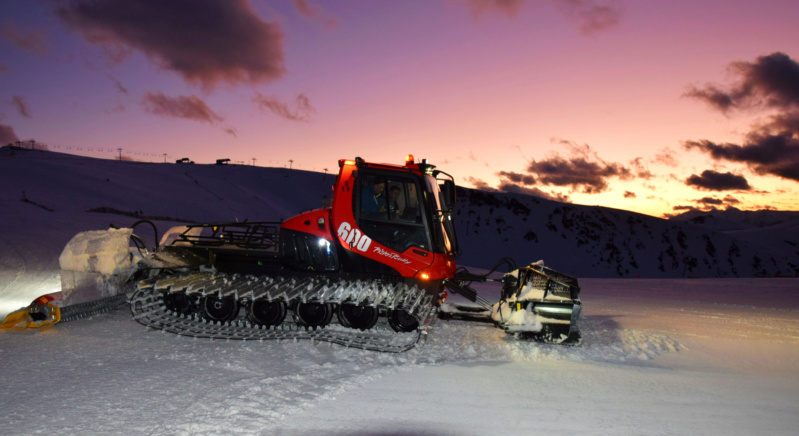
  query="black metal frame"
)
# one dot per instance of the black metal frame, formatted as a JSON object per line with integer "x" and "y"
{"x": 250, "y": 235}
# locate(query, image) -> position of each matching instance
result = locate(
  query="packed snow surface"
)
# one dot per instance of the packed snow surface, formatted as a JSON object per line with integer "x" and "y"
{"x": 712, "y": 356}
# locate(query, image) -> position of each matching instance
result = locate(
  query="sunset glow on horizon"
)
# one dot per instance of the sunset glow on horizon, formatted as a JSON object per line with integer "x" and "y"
{"x": 649, "y": 106}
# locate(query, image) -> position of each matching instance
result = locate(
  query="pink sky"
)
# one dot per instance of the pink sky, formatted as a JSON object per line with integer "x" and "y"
{"x": 649, "y": 106}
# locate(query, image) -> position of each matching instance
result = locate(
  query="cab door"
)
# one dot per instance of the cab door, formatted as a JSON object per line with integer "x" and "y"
{"x": 388, "y": 225}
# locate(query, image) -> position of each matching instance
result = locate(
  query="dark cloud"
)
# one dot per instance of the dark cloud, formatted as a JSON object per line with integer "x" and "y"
{"x": 479, "y": 184}
{"x": 729, "y": 199}
{"x": 630, "y": 194}
{"x": 715, "y": 181}
{"x": 710, "y": 200}
{"x": 301, "y": 112}
{"x": 7, "y": 135}
{"x": 771, "y": 81}
{"x": 3, "y": 69}
{"x": 190, "y": 108}
{"x": 765, "y": 153}
{"x": 707, "y": 204}
{"x": 513, "y": 188}
{"x": 583, "y": 170}
{"x": 34, "y": 42}
{"x": 786, "y": 121}
{"x": 514, "y": 177}
{"x": 770, "y": 148}
{"x": 516, "y": 189}
{"x": 21, "y": 105}
{"x": 206, "y": 41}
{"x": 713, "y": 96}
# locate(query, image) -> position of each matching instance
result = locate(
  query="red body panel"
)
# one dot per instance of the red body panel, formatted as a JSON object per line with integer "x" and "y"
{"x": 338, "y": 224}
{"x": 411, "y": 263}
{"x": 314, "y": 222}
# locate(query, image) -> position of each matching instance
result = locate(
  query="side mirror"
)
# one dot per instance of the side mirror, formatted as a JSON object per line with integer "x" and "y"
{"x": 448, "y": 194}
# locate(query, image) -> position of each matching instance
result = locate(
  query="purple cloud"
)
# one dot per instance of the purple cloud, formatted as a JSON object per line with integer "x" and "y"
{"x": 34, "y": 41}
{"x": 207, "y": 42}
{"x": 301, "y": 111}
{"x": 190, "y": 108}
{"x": 21, "y": 105}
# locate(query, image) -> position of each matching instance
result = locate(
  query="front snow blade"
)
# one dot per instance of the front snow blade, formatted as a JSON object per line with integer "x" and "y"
{"x": 95, "y": 265}
{"x": 539, "y": 303}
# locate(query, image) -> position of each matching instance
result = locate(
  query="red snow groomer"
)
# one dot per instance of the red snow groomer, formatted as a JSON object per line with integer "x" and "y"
{"x": 378, "y": 261}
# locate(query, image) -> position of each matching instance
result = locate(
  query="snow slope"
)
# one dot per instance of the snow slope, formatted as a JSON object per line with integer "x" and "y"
{"x": 46, "y": 198}
{"x": 79, "y": 193}
{"x": 659, "y": 356}
{"x": 777, "y": 231}
{"x": 593, "y": 241}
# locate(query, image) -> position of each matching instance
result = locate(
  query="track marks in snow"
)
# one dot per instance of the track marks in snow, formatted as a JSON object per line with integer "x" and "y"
{"x": 602, "y": 340}
{"x": 708, "y": 320}
{"x": 201, "y": 386}
{"x": 257, "y": 384}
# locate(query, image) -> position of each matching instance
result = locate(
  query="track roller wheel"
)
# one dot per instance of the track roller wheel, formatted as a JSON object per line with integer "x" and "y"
{"x": 313, "y": 315}
{"x": 221, "y": 309}
{"x": 402, "y": 321}
{"x": 356, "y": 316}
{"x": 179, "y": 303}
{"x": 266, "y": 313}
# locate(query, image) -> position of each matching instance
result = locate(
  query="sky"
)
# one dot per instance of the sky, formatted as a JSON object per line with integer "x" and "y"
{"x": 649, "y": 106}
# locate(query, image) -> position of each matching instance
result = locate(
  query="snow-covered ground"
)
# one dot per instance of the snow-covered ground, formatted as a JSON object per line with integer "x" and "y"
{"x": 711, "y": 356}
{"x": 698, "y": 356}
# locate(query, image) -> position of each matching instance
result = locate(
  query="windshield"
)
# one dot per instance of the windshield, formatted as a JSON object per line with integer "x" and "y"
{"x": 389, "y": 209}
{"x": 443, "y": 228}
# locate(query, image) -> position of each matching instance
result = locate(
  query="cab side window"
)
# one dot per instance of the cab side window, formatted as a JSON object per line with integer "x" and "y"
{"x": 390, "y": 212}
{"x": 373, "y": 204}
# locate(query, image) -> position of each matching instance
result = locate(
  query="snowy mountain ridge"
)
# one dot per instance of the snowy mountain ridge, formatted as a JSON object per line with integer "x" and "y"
{"x": 736, "y": 218}
{"x": 585, "y": 241}
{"x": 594, "y": 241}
